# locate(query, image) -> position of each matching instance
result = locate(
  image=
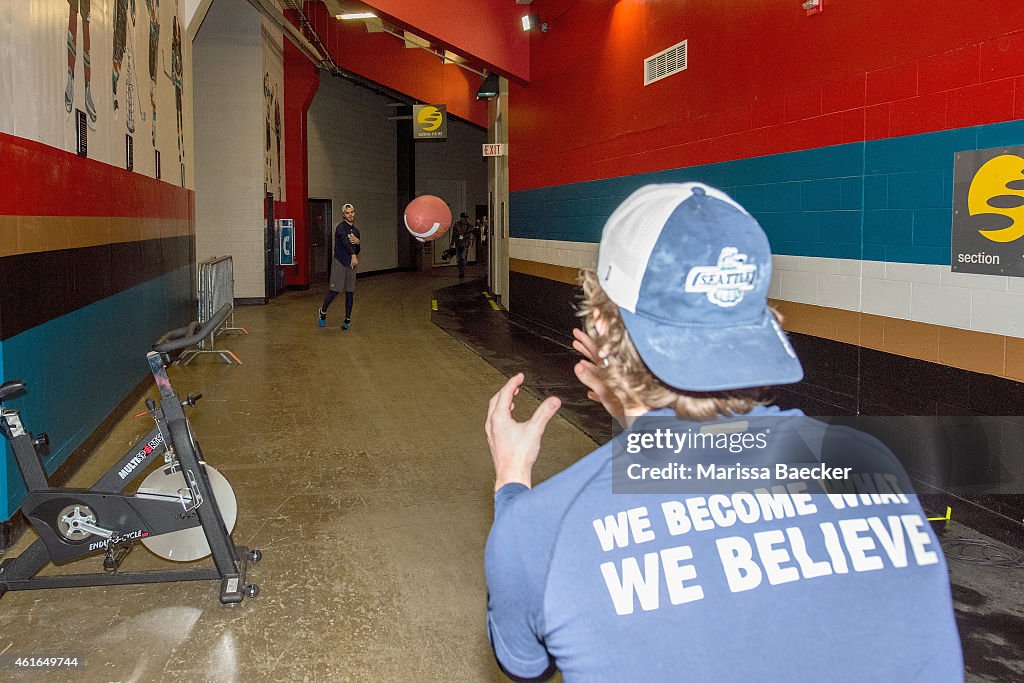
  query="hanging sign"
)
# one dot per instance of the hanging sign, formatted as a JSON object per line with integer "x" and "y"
{"x": 429, "y": 122}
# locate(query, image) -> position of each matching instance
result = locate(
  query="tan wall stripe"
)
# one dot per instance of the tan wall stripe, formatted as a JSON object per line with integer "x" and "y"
{"x": 545, "y": 270}
{"x": 990, "y": 354}
{"x": 28, "y": 234}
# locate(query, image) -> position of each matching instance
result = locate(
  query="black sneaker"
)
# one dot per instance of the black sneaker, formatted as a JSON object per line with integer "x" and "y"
{"x": 346, "y": 324}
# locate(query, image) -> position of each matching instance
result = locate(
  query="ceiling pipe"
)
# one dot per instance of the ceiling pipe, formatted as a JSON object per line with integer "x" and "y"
{"x": 272, "y": 12}
{"x": 314, "y": 49}
{"x": 316, "y": 53}
{"x": 444, "y": 60}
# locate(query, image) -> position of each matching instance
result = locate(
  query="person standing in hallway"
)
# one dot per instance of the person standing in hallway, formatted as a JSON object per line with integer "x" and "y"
{"x": 343, "y": 269}
{"x": 667, "y": 580}
{"x": 462, "y": 236}
{"x": 481, "y": 240}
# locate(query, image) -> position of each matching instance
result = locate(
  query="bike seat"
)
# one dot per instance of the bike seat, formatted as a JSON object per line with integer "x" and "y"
{"x": 10, "y": 388}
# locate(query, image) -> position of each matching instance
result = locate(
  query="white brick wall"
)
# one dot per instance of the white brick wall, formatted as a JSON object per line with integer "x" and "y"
{"x": 228, "y": 90}
{"x": 924, "y": 293}
{"x": 352, "y": 158}
{"x": 912, "y": 291}
{"x": 571, "y": 254}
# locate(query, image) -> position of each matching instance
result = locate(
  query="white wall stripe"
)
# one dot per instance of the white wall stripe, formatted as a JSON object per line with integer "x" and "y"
{"x": 910, "y": 291}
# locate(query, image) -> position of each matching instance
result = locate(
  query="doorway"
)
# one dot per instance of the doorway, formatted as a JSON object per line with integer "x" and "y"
{"x": 482, "y": 219}
{"x": 320, "y": 221}
{"x": 273, "y": 276}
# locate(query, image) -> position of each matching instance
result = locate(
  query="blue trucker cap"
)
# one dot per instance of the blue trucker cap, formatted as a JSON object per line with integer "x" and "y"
{"x": 689, "y": 269}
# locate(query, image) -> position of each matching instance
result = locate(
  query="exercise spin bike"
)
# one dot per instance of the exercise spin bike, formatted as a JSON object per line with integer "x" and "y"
{"x": 182, "y": 511}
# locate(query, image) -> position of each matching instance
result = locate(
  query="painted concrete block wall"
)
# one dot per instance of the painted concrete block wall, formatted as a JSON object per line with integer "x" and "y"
{"x": 34, "y": 77}
{"x": 230, "y": 140}
{"x": 90, "y": 250}
{"x": 859, "y": 227}
{"x": 352, "y": 159}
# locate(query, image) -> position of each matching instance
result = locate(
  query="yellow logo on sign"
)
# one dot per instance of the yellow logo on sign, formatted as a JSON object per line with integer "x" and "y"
{"x": 430, "y": 118}
{"x": 1000, "y": 178}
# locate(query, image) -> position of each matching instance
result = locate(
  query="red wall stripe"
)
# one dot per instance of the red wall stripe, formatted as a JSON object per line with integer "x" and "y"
{"x": 763, "y": 79}
{"x": 990, "y": 102}
{"x": 917, "y": 114}
{"x": 1018, "y": 99}
{"x": 894, "y": 83}
{"x": 1001, "y": 57}
{"x": 849, "y": 93}
{"x": 953, "y": 69}
{"x": 40, "y": 180}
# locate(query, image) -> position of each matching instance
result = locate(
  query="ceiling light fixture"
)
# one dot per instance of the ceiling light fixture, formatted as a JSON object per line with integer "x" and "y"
{"x": 532, "y": 21}
{"x": 489, "y": 88}
{"x": 357, "y": 15}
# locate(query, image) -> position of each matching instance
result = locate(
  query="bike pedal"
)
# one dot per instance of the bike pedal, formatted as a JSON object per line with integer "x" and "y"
{"x": 115, "y": 556}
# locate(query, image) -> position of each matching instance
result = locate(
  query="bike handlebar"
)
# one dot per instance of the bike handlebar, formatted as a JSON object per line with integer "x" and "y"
{"x": 180, "y": 338}
{"x": 10, "y": 388}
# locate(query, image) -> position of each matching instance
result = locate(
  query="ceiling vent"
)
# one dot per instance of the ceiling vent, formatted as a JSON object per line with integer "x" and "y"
{"x": 665, "y": 63}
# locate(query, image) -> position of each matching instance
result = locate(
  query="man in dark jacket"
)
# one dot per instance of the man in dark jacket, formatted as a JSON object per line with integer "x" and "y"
{"x": 462, "y": 237}
{"x": 343, "y": 270}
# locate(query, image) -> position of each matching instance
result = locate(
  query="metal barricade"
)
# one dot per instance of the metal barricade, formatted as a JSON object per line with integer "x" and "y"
{"x": 216, "y": 287}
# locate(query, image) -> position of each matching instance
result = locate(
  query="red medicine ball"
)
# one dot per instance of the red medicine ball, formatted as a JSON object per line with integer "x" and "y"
{"x": 427, "y": 217}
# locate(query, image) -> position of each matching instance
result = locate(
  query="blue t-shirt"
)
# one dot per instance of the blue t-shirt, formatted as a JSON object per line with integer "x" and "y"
{"x": 672, "y": 586}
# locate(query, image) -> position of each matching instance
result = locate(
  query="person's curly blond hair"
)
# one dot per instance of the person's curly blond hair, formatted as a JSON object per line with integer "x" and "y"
{"x": 633, "y": 382}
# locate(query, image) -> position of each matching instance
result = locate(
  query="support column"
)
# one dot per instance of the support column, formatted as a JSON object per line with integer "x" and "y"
{"x": 497, "y": 192}
{"x": 301, "y": 81}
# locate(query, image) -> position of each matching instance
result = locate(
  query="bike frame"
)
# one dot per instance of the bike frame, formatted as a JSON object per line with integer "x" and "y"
{"x": 170, "y": 433}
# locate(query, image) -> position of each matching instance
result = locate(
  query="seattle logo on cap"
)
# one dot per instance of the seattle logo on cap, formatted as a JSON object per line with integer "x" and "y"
{"x": 725, "y": 282}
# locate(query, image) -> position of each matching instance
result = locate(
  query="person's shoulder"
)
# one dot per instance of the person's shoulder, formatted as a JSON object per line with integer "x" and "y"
{"x": 559, "y": 491}
{"x": 531, "y": 518}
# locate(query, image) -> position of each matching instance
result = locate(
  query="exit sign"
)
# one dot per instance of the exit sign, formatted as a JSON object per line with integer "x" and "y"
{"x": 494, "y": 150}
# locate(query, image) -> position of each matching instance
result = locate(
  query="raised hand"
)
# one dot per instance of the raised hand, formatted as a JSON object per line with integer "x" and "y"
{"x": 515, "y": 445}
{"x": 590, "y": 372}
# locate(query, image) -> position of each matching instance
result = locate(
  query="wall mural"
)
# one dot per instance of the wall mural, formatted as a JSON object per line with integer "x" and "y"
{"x": 177, "y": 78}
{"x": 76, "y": 8}
{"x": 53, "y": 63}
{"x": 273, "y": 116}
{"x": 123, "y": 47}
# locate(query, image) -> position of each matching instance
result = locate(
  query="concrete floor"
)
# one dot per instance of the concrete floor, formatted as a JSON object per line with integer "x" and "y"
{"x": 361, "y": 470}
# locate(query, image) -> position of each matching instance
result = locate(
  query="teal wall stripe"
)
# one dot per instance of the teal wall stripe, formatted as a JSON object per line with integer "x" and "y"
{"x": 880, "y": 200}
{"x": 8, "y": 459}
{"x": 79, "y": 366}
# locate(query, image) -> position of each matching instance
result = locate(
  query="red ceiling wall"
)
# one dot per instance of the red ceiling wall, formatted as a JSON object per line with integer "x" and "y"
{"x": 487, "y": 30}
{"x": 384, "y": 59}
